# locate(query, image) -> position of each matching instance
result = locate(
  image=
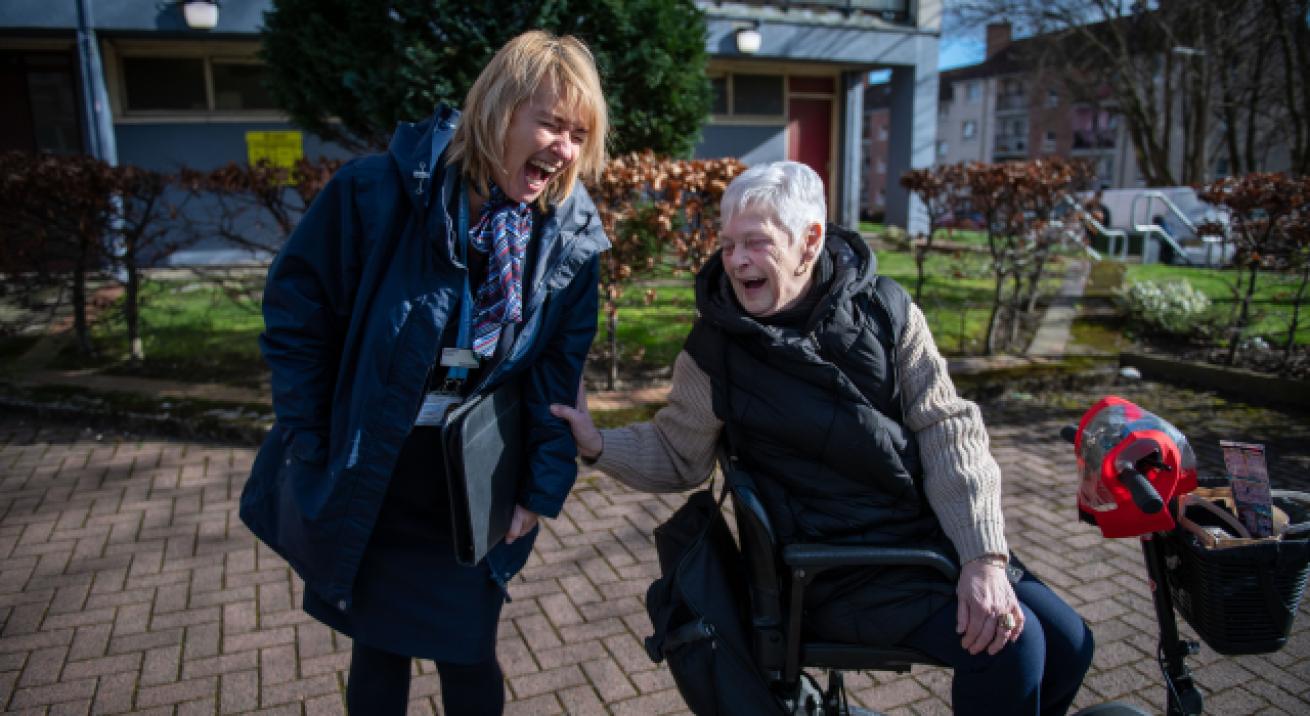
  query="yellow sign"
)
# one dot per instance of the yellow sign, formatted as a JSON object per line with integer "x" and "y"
{"x": 281, "y": 149}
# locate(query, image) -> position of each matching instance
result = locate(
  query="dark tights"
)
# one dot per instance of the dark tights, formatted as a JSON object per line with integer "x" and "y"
{"x": 379, "y": 684}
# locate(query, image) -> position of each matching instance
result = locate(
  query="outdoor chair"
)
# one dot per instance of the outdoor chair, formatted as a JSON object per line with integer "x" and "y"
{"x": 778, "y": 578}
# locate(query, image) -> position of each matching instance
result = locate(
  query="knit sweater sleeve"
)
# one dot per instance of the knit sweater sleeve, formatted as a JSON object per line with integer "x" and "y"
{"x": 961, "y": 478}
{"x": 675, "y": 450}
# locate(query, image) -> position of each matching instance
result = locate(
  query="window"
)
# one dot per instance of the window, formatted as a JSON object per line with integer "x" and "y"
{"x": 39, "y": 93}
{"x": 1052, "y": 98}
{"x": 941, "y": 148}
{"x": 161, "y": 83}
{"x": 969, "y": 130}
{"x": 155, "y": 83}
{"x": 882, "y": 166}
{"x": 973, "y": 91}
{"x": 239, "y": 85}
{"x": 757, "y": 94}
{"x": 1105, "y": 168}
{"x": 719, "y": 89}
{"x": 1048, "y": 143}
{"x": 882, "y": 133}
{"x": 1094, "y": 128}
{"x": 747, "y": 95}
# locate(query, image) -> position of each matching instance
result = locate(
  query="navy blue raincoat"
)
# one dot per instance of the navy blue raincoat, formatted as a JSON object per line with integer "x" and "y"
{"x": 354, "y": 308}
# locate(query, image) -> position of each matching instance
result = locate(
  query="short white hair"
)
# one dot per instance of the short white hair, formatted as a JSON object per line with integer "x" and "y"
{"x": 790, "y": 191}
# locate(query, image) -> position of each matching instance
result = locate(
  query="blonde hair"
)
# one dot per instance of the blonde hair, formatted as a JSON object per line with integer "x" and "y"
{"x": 510, "y": 79}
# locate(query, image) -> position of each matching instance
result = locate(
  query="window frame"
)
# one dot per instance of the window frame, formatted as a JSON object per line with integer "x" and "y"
{"x": 730, "y": 87}
{"x": 209, "y": 51}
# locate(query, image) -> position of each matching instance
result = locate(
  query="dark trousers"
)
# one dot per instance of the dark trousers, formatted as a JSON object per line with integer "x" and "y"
{"x": 1038, "y": 674}
{"x": 379, "y": 684}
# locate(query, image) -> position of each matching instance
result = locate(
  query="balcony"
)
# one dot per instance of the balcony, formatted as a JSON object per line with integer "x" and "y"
{"x": 889, "y": 10}
{"x": 1010, "y": 144}
{"x": 1095, "y": 138}
{"x": 1012, "y": 103}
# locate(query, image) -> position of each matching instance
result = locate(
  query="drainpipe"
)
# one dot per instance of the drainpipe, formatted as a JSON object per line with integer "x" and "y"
{"x": 95, "y": 98}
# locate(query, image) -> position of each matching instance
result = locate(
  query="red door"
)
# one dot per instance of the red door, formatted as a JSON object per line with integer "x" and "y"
{"x": 809, "y": 138}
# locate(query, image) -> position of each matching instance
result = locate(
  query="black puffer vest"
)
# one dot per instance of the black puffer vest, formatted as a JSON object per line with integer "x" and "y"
{"x": 818, "y": 413}
{"x": 815, "y": 416}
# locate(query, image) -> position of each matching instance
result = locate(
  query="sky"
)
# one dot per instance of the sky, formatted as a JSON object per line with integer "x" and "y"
{"x": 959, "y": 48}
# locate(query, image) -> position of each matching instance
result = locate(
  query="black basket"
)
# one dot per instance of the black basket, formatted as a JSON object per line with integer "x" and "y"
{"x": 1242, "y": 599}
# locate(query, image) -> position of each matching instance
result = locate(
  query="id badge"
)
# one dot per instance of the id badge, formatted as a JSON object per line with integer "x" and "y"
{"x": 435, "y": 408}
{"x": 459, "y": 358}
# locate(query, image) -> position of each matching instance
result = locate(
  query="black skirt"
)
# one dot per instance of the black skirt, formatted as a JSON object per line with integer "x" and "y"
{"x": 411, "y": 597}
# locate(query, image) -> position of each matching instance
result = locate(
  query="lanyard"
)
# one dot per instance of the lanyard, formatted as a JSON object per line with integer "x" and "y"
{"x": 459, "y": 373}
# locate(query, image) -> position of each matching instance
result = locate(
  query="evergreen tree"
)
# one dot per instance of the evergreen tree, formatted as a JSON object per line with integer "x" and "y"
{"x": 349, "y": 70}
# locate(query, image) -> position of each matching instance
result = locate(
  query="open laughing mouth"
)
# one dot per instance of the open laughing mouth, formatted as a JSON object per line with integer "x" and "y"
{"x": 540, "y": 172}
{"x": 751, "y": 284}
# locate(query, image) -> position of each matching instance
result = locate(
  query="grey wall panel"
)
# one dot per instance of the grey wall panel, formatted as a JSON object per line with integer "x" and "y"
{"x": 751, "y": 144}
{"x": 38, "y": 14}
{"x": 820, "y": 43}
{"x": 241, "y": 17}
{"x": 202, "y": 145}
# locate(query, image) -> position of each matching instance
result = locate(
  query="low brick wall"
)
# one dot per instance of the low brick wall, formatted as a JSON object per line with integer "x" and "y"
{"x": 1244, "y": 384}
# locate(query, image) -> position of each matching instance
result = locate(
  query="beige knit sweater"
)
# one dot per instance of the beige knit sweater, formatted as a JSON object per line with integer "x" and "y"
{"x": 675, "y": 450}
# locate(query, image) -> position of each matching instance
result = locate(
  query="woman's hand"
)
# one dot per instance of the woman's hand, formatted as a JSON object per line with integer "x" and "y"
{"x": 520, "y": 524}
{"x": 985, "y": 598}
{"x": 585, "y": 434}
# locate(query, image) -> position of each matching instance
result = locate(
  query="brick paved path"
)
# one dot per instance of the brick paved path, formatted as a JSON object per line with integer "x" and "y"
{"x": 127, "y": 584}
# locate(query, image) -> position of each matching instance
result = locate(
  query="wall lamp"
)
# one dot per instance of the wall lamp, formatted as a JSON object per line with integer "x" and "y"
{"x": 748, "y": 38}
{"x": 200, "y": 14}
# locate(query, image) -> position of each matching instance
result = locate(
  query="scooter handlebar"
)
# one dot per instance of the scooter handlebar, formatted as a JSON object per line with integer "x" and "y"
{"x": 1141, "y": 490}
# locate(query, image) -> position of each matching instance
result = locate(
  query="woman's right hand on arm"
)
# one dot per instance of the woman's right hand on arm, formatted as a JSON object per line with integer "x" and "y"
{"x": 589, "y": 440}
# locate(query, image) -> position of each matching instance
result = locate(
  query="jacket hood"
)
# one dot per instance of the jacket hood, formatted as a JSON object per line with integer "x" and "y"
{"x": 416, "y": 148}
{"x": 854, "y": 269}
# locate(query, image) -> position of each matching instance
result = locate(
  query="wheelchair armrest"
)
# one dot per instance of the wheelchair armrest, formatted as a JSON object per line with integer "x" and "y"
{"x": 818, "y": 557}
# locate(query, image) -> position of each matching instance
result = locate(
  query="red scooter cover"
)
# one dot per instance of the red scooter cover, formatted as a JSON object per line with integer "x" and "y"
{"x": 1114, "y": 435}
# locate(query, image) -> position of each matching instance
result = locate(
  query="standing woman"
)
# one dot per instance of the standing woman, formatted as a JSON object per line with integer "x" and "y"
{"x": 363, "y": 315}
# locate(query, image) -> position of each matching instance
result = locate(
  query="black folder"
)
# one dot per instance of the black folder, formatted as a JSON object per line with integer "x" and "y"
{"x": 483, "y": 446}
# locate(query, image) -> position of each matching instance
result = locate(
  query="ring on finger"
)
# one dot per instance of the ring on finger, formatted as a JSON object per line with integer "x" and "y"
{"x": 1007, "y": 621}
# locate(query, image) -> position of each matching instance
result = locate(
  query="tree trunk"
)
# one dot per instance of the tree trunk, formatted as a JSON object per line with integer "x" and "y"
{"x": 989, "y": 344}
{"x": 1034, "y": 286}
{"x": 1016, "y": 298}
{"x": 80, "y": 328}
{"x": 612, "y": 338}
{"x": 131, "y": 303}
{"x": 1296, "y": 314}
{"x": 1243, "y": 314}
{"x": 920, "y": 256}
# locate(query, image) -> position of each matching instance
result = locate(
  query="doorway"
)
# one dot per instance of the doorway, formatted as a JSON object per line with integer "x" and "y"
{"x": 809, "y": 136}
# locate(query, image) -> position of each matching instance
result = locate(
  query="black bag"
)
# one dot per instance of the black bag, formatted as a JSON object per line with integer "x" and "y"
{"x": 697, "y": 608}
{"x": 483, "y": 445}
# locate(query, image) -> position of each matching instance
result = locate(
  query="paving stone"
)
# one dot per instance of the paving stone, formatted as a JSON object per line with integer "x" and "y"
{"x": 123, "y": 566}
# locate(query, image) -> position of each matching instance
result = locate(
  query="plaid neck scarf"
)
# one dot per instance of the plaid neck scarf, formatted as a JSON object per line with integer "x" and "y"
{"x": 503, "y": 230}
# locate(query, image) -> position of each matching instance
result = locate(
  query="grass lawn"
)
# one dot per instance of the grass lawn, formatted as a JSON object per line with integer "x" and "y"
{"x": 194, "y": 331}
{"x": 1271, "y": 306}
{"x": 959, "y": 236}
{"x": 956, "y": 300}
{"x": 191, "y": 331}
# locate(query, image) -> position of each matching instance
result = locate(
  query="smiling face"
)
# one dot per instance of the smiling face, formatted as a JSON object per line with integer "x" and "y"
{"x": 768, "y": 269}
{"x": 543, "y": 139}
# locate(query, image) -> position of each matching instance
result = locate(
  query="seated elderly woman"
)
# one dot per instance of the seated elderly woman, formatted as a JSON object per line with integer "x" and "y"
{"x": 838, "y": 402}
